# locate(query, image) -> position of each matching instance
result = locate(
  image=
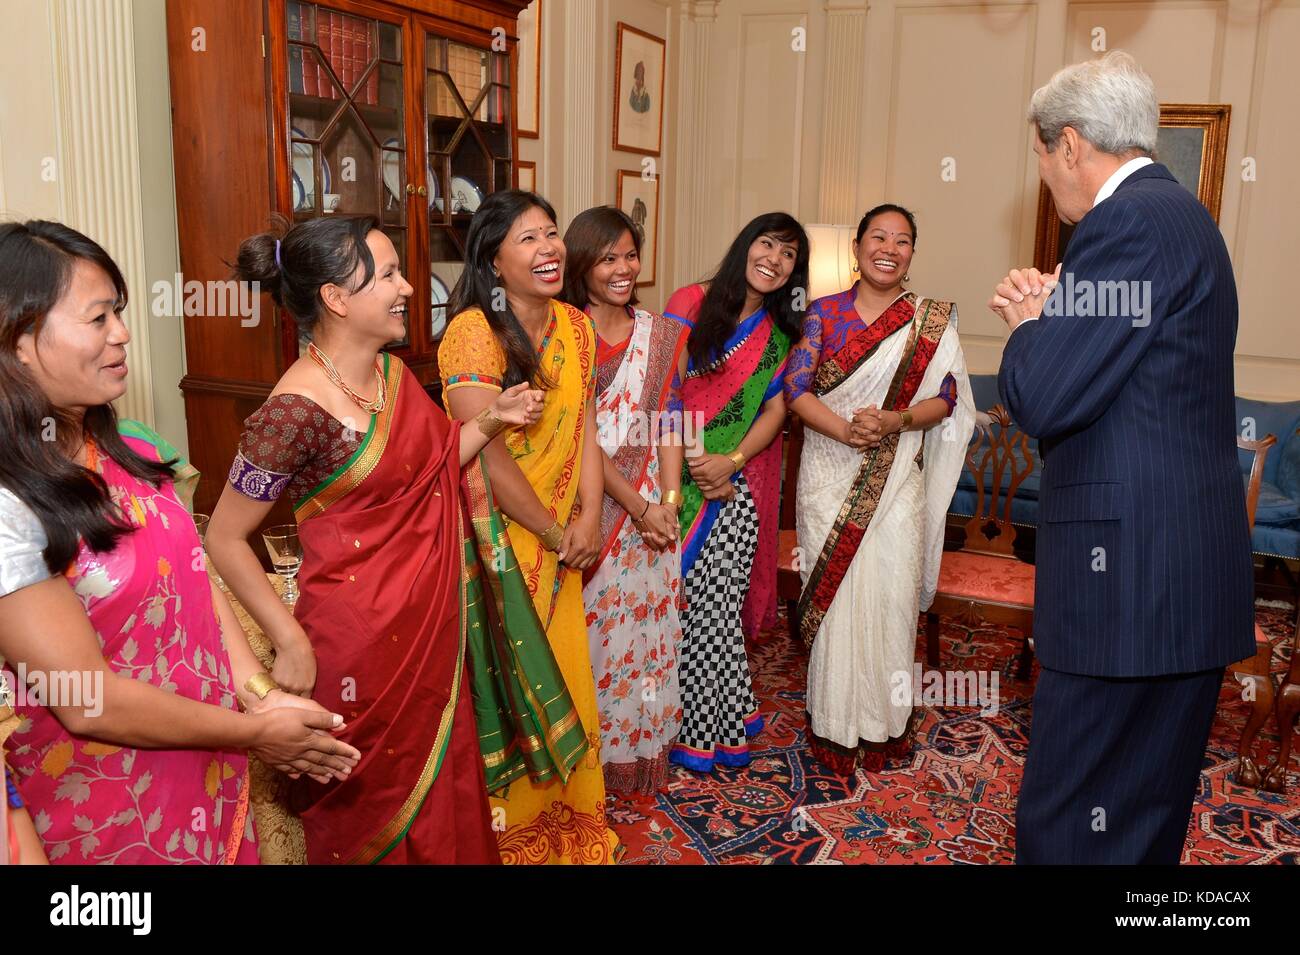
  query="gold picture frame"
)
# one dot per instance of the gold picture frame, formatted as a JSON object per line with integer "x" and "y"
{"x": 1193, "y": 143}
{"x": 637, "y": 194}
{"x": 639, "y": 61}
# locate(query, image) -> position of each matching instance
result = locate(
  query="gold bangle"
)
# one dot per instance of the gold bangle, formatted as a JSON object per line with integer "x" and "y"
{"x": 260, "y": 684}
{"x": 552, "y": 536}
{"x": 489, "y": 423}
{"x": 737, "y": 458}
{"x": 673, "y": 498}
{"x": 906, "y": 415}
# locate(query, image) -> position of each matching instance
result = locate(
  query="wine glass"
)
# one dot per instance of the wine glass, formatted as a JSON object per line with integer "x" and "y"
{"x": 286, "y": 557}
{"x": 201, "y": 525}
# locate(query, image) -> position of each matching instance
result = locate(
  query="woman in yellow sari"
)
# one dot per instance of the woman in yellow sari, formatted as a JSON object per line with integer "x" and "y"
{"x": 546, "y": 479}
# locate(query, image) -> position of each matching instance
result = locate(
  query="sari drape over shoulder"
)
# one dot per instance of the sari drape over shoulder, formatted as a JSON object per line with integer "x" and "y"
{"x": 633, "y": 594}
{"x": 383, "y": 584}
{"x": 871, "y": 526}
{"x": 554, "y": 807}
{"x": 150, "y": 604}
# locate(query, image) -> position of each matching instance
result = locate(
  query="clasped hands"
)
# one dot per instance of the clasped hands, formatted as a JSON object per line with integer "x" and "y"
{"x": 712, "y": 475}
{"x": 1022, "y": 294}
{"x": 868, "y": 426}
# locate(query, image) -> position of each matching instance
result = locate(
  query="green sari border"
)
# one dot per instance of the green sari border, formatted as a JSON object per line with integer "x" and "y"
{"x": 312, "y": 495}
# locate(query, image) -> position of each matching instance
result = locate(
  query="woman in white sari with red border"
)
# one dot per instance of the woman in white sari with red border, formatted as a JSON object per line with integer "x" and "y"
{"x": 880, "y": 383}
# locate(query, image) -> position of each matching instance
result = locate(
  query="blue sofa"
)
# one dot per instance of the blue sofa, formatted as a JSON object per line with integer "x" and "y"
{"x": 1277, "y": 517}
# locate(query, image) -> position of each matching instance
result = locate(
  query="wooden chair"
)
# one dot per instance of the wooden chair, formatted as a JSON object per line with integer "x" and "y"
{"x": 1254, "y": 672}
{"x": 984, "y": 582}
{"x": 788, "y": 583}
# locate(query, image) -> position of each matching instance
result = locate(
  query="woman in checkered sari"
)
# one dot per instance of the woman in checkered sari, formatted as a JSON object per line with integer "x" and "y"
{"x": 742, "y": 324}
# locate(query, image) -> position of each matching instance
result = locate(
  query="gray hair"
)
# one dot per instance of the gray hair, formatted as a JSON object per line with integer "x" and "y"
{"x": 1111, "y": 102}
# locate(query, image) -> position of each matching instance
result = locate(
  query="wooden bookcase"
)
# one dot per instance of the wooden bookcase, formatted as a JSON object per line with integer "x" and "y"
{"x": 404, "y": 109}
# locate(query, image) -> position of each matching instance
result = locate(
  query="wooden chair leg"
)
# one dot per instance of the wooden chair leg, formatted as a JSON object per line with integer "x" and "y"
{"x": 792, "y": 619}
{"x": 1288, "y": 705}
{"x": 932, "y": 639}
{"x": 1254, "y": 673}
{"x": 1026, "y": 664}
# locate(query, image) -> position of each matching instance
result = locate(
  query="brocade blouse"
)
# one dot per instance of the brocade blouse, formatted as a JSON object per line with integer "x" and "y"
{"x": 291, "y": 442}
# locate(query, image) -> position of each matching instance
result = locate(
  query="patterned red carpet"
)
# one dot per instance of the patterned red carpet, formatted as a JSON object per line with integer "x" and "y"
{"x": 952, "y": 802}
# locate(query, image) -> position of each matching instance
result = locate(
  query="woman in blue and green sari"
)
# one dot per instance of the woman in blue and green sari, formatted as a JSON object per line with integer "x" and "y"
{"x": 742, "y": 323}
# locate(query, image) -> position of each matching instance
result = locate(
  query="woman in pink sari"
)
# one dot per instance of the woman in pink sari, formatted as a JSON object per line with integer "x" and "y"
{"x": 131, "y": 748}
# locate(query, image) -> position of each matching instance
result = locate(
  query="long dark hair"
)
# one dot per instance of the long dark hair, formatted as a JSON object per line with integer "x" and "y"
{"x": 292, "y": 263}
{"x": 589, "y": 236}
{"x": 71, "y": 502}
{"x": 725, "y": 297}
{"x": 881, "y": 210}
{"x": 476, "y": 287}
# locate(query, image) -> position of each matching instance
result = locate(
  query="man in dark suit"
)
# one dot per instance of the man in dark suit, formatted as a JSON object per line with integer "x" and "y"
{"x": 1121, "y": 364}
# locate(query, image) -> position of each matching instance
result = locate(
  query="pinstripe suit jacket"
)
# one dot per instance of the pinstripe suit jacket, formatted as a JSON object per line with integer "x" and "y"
{"x": 1143, "y": 554}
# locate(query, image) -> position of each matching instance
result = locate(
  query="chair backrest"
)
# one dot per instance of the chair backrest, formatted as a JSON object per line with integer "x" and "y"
{"x": 1260, "y": 448}
{"x": 999, "y": 451}
{"x": 790, "y": 482}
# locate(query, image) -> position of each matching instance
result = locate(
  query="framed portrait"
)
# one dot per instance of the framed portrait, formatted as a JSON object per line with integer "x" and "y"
{"x": 525, "y": 175}
{"x": 529, "y": 117}
{"x": 638, "y": 196}
{"x": 639, "y": 91}
{"x": 1192, "y": 142}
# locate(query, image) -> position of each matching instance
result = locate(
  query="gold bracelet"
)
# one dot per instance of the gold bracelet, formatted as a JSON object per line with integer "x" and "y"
{"x": 906, "y": 415}
{"x": 489, "y": 423}
{"x": 552, "y": 536}
{"x": 260, "y": 684}
{"x": 673, "y": 499}
{"x": 737, "y": 458}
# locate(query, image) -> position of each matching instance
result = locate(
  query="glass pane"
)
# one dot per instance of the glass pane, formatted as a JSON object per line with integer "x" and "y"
{"x": 390, "y": 41}
{"x": 471, "y": 178}
{"x": 356, "y": 178}
{"x": 505, "y": 175}
{"x": 442, "y": 99}
{"x": 467, "y": 67}
{"x": 392, "y": 163}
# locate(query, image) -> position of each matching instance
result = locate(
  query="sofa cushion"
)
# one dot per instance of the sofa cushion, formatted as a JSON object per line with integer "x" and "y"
{"x": 1280, "y": 418}
{"x": 1273, "y": 507}
{"x": 1280, "y": 539}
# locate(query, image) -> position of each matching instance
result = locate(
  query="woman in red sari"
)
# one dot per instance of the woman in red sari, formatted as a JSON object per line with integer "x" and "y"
{"x": 373, "y": 469}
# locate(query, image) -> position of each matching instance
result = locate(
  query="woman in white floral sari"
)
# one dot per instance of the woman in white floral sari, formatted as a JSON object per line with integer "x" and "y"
{"x": 632, "y": 593}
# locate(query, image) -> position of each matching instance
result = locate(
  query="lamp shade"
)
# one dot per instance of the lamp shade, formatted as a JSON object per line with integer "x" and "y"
{"x": 830, "y": 263}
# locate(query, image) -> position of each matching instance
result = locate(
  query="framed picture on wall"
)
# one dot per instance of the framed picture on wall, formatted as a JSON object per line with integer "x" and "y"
{"x": 1192, "y": 142}
{"x": 639, "y": 91}
{"x": 526, "y": 175}
{"x": 530, "y": 71}
{"x": 638, "y": 196}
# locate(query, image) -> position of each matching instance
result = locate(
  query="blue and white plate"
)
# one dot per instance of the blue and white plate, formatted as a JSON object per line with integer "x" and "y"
{"x": 465, "y": 196}
{"x": 304, "y": 170}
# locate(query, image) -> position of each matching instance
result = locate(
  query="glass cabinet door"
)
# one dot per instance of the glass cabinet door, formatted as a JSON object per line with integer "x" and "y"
{"x": 467, "y": 105}
{"x": 346, "y": 112}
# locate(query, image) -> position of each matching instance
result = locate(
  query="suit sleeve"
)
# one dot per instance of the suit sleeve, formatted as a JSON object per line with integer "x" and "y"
{"x": 1060, "y": 373}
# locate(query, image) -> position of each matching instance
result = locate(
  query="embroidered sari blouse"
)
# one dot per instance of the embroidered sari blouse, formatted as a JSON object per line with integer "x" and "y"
{"x": 291, "y": 442}
{"x": 832, "y": 321}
